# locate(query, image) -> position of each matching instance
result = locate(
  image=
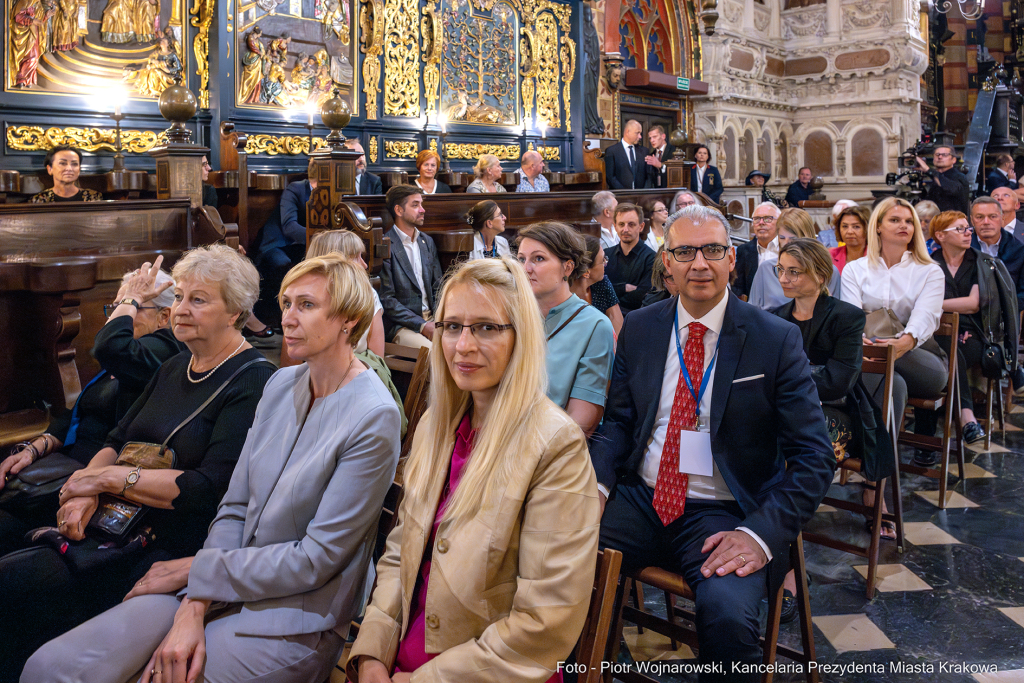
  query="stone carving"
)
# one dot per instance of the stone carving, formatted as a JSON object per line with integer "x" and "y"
{"x": 592, "y": 121}
{"x": 804, "y": 23}
{"x": 761, "y": 18}
{"x": 865, "y": 14}
{"x": 732, "y": 12}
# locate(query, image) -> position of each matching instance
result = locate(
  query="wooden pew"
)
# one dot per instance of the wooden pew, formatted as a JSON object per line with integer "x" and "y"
{"x": 18, "y": 188}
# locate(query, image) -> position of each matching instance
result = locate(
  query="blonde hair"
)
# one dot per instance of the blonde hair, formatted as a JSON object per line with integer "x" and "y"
{"x": 813, "y": 257}
{"x": 798, "y": 222}
{"x": 520, "y": 397}
{"x": 917, "y": 246}
{"x": 485, "y": 162}
{"x": 348, "y": 285}
{"x": 344, "y": 242}
{"x": 235, "y": 275}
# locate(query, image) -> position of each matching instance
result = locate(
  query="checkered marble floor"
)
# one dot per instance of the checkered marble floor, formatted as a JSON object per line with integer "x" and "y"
{"x": 954, "y": 599}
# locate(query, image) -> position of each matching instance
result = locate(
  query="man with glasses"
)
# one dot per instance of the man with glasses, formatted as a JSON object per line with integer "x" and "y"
{"x": 948, "y": 188}
{"x": 991, "y": 240}
{"x": 764, "y": 247}
{"x": 713, "y": 451}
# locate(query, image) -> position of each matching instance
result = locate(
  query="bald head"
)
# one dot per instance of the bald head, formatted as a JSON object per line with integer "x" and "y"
{"x": 532, "y": 165}
{"x": 632, "y": 132}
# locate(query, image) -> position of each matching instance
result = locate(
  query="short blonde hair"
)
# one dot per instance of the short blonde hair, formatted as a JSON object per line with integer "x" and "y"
{"x": 236, "y": 276}
{"x": 917, "y": 246}
{"x": 813, "y": 258}
{"x": 798, "y": 222}
{"x": 344, "y": 242}
{"x": 485, "y": 162}
{"x": 347, "y": 285}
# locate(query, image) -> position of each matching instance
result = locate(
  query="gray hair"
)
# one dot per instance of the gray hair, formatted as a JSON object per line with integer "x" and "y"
{"x": 604, "y": 201}
{"x": 697, "y": 214}
{"x": 236, "y": 275}
{"x": 165, "y": 298}
{"x": 775, "y": 209}
{"x": 985, "y": 200}
{"x": 672, "y": 207}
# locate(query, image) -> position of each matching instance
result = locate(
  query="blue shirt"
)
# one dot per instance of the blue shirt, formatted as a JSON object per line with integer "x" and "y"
{"x": 580, "y": 355}
{"x": 539, "y": 185}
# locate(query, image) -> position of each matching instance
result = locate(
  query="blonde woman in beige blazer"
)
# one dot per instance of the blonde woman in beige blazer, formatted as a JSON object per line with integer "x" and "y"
{"x": 513, "y": 544}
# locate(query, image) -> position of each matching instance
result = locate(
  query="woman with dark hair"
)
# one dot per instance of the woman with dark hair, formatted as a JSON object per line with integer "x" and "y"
{"x": 581, "y": 340}
{"x": 64, "y": 164}
{"x": 427, "y": 164}
{"x": 704, "y": 177}
{"x": 488, "y": 222}
{"x": 658, "y": 212}
{"x": 851, "y": 226}
{"x": 594, "y": 287}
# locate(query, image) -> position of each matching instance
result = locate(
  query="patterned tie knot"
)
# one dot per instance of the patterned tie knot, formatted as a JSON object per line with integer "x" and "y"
{"x": 697, "y": 331}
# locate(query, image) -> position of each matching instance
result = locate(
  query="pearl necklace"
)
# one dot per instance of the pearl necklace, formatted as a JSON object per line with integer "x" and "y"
{"x": 188, "y": 370}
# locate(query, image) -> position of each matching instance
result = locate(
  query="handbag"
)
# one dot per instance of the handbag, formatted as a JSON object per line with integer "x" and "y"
{"x": 882, "y": 324}
{"x": 993, "y": 365}
{"x": 43, "y": 477}
{"x": 116, "y": 516}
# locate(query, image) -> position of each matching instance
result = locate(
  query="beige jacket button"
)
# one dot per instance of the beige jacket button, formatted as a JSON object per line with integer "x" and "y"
{"x": 432, "y": 621}
{"x": 442, "y": 546}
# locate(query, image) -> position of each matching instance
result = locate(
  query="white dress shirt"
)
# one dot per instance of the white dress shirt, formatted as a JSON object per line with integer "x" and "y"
{"x": 701, "y": 170}
{"x": 990, "y": 249}
{"x": 609, "y": 238}
{"x": 913, "y": 291}
{"x": 769, "y": 252}
{"x": 1009, "y": 227}
{"x": 630, "y": 149}
{"x": 412, "y": 250}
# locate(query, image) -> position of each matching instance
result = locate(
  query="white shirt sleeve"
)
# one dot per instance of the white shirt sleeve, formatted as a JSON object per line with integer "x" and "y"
{"x": 924, "y": 318}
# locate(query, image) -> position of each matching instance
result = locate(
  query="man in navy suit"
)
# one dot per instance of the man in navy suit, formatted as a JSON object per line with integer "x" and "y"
{"x": 283, "y": 245}
{"x": 366, "y": 182}
{"x": 1002, "y": 175}
{"x": 625, "y": 167}
{"x": 713, "y": 451}
{"x": 990, "y": 238}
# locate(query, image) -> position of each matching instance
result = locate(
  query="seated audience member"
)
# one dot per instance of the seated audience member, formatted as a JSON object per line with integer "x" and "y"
{"x": 1010, "y": 205}
{"x": 410, "y": 279}
{"x": 366, "y": 182}
{"x": 754, "y": 252}
{"x": 604, "y": 203}
{"x": 488, "y": 222}
{"x": 64, "y": 164}
{"x": 661, "y": 151}
{"x": 832, "y": 332}
{"x": 829, "y": 236}
{"x": 624, "y": 165}
{"x": 581, "y": 340}
{"x": 630, "y": 261}
{"x": 990, "y": 239}
{"x": 283, "y": 244}
{"x": 898, "y": 279}
{"x": 662, "y": 285}
{"x": 704, "y": 177}
{"x": 767, "y": 292}
{"x": 800, "y": 190}
{"x": 481, "y": 578}
{"x": 851, "y": 224}
{"x": 488, "y": 173}
{"x": 1003, "y": 175}
{"x": 594, "y": 287}
{"x": 67, "y": 577}
{"x": 292, "y": 589}
{"x": 760, "y": 179}
{"x": 657, "y": 213}
{"x": 531, "y": 174}
{"x": 722, "y": 510}
{"x": 683, "y": 199}
{"x": 926, "y": 211}
{"x": 130, "y": 348}
{"x": 351, "y": 246}
{"x": 209, "y": 191}
{"x": 427, "y": 164}
{"x": 965, "y": 271}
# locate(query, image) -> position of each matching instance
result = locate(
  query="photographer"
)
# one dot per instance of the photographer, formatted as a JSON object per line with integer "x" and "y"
{"x": 948, "y": 187}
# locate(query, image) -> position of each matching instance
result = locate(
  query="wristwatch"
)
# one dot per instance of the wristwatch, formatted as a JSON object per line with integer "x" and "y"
{"x": 130, "y": 301}
{"x": 132, "y": 479}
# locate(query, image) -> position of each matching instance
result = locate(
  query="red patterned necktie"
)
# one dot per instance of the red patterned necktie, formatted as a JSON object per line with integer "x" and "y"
{"x": 670, "y": 490}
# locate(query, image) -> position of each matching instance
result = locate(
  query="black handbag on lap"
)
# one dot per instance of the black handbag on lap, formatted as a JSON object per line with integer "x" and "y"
{"x": 43, "y": 477}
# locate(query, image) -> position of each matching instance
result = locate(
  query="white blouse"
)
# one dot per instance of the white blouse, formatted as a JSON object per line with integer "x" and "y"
{"x": 478, "y": 247}
{"x": 361, "y": 344}
{"x": 913, "y": 291}
{"x": 432, "y": 190}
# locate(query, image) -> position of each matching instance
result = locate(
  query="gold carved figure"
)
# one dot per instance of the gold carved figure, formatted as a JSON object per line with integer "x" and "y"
{"x": 158, "y": 73}
{"x": 118, "y": 22}
{"x": 28, "y": 36}
{"x": 146, "y": 12}
{"x": 65, "y": 26}
{"x": 252, "y": 67}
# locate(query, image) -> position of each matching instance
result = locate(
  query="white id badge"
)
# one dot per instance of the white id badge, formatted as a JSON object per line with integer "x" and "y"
{"x": 695, "y": 450}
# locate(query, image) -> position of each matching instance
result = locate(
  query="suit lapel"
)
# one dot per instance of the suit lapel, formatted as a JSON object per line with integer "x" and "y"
{"x": 661, "y": 334}
{"x": 399, "y": 256}
{"x": 425, "y": 268}
{"x": 822, "y": 308}
{"x": 730, "y": 346}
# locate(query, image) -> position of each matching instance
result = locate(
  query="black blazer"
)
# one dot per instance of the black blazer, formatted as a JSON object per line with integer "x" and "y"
{"x": 746, "y": 267}
{"x": 287, "y": 225}
{"x": 400, "y": 295}
{"x": 995, "y": 179}
{"x": 370, "y": 184}
{"x": 767, "y": 429}
{"x": 657, "y": 176}
{"x": 617, "y": 171}
{"x": 1011, "y": 253}
{"x": 712, "y": 182}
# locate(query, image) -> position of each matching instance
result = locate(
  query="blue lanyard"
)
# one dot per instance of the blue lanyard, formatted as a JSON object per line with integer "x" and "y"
{"x": 697, "y": 396}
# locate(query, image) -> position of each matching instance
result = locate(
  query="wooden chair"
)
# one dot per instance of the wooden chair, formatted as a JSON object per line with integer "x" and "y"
{"x": 951, "y": 439}
{"x": 410, "y": 368}
{"x": 593, "y": 641}
{"x": 877, "y": 360}
{"x": 675, "y": 584}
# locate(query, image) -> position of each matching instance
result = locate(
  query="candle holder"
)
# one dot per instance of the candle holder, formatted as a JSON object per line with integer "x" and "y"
{"x": 119, "y": 98}
{"x": 310, "y": 111}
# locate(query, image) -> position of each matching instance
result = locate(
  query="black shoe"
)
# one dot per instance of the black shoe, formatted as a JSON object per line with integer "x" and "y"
{"x": 926, "y": 458}
{"x": 789, "y": 610}
{"x": 973, "y": 432}
{"x": 266, "y": 333}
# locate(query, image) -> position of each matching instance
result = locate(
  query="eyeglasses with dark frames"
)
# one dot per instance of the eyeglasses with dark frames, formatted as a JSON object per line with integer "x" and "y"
{"x": 712, "y": 252}
{"x": 960, "y": 229}
{"x": 483, "y": 331}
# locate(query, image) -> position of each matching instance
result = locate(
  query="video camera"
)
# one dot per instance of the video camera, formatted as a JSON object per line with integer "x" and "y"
{"x": 912, "y": 188}
{"x": 922, "y": 148}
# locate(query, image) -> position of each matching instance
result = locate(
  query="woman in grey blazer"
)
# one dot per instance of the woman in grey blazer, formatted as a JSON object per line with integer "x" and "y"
{"x": 284, "y": 569}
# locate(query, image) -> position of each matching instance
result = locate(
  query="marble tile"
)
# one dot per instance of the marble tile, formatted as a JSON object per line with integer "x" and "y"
{"x": 953, "y": 499}
{"x": 1015, "y": 676}
{"x": 826, "y": 508}
{"x": 926, "y": 533}
{"x": 980, "y": 448}
{"x": 653, "y": 647}
{"x": 852, "y": 633}
{"x": 890, "y": 578}
{"x": 1014, "y": 613}
{"x": 972, "y": 471}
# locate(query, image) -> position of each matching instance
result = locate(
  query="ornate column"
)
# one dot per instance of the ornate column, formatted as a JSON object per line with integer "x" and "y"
{"x": 834, "y": 17}
{"x": 179, "y": 163}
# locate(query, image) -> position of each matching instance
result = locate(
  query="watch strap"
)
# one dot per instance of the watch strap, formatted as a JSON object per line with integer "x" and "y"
{"x": 130, "y": 301}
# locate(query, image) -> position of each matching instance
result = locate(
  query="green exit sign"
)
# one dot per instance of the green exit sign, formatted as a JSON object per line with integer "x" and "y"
{"x": 682, "y": 84}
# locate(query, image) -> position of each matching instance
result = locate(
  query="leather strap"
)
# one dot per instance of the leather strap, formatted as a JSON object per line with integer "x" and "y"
{"x": 562, "y": 326}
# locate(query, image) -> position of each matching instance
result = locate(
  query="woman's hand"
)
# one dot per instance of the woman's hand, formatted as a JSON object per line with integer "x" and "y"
{"x": 142, "y": 286}
{"x": 163, "y": 577}
{"x": 15, "y": 463}
{"x": 373, "y": 671}
{"x": 74, "y": 515}
{"x": 181, "y": 656}
{"x": 90, "y": 481}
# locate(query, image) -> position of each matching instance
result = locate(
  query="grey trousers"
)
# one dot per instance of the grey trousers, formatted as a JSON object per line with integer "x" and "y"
{"x": 118, "y": 643}
{"x": 919, "y": 373}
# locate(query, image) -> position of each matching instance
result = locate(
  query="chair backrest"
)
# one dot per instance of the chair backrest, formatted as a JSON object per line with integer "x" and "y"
{"x": 590, "y": 649}
{"x": 881, "y": 360}
{"x": 410, "y": 371}
{"x": 949, "y": 326}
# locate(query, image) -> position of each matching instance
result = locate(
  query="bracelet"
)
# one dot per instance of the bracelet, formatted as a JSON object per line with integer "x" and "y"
{"x": 132, "y": 479}
{"x": 28, "y": 445}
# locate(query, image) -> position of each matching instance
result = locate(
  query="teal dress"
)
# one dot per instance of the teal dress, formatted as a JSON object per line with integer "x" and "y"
{"x": 580, "y": 353}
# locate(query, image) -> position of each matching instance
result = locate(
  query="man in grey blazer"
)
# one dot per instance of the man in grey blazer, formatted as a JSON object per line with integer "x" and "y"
{"x": 411, "y": 279}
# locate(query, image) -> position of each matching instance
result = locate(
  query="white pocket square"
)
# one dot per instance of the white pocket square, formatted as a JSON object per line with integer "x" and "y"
{"x": 747, "y": 379}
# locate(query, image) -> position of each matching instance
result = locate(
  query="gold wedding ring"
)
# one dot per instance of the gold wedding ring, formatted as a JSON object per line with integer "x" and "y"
{"x": 743, "y": 559}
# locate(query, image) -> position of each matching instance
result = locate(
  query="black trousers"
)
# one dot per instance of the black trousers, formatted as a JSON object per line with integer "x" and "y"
{"x": 273, "y": 265}
{"x": 728, "y": 619}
